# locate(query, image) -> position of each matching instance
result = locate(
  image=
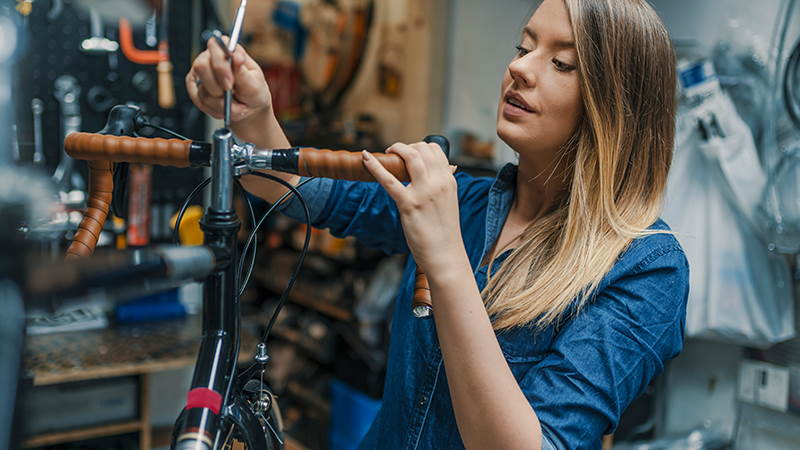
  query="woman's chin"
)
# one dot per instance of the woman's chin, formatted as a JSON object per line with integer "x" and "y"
{"x": 512, "y": 135}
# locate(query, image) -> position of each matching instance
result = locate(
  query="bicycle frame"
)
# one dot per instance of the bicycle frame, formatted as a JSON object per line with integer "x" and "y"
{"x": 214, "y": 397}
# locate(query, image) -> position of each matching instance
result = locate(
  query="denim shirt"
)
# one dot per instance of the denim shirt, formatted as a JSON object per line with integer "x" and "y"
{"x": 578, "y": 377}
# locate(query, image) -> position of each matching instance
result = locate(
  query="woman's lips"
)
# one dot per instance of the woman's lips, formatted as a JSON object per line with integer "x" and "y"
{"x": 510, "y": 110}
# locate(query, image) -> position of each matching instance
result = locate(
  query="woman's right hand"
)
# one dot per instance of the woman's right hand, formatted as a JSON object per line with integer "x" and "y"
{"x": 212, "y": 74}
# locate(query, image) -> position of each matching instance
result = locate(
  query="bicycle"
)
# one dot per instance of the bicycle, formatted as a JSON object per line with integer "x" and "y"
{"x": 222, "y": 405}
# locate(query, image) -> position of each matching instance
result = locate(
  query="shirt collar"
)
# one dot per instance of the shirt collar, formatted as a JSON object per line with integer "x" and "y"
{"x": 501, "y": 196}
{"x": 506, "y": 178}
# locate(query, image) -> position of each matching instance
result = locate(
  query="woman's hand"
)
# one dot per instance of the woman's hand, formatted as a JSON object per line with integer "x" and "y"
{"x": 428, "y": 205}
{"x": 212, "y": 74}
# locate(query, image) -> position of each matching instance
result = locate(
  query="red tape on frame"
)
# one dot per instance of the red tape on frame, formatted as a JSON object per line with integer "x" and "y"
{"x": 204, "y": 398}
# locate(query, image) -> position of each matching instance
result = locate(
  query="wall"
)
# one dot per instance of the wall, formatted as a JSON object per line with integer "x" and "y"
{"x": 482, "y": 40}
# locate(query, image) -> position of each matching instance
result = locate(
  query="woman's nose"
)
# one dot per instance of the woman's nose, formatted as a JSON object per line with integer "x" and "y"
{"x": 521, "y": 71}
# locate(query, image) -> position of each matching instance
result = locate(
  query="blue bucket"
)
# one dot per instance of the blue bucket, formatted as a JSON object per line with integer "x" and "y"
{"x": 352, "y": 413}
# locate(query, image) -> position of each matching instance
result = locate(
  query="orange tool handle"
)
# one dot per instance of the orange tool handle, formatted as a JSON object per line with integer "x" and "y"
{"x": 133, "y": 54}
{"x": 166, "y": 88}
{"x": 159, "y": 58}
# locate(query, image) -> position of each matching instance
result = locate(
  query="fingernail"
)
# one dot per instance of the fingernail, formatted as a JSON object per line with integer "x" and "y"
{"x": 365, "y": 154}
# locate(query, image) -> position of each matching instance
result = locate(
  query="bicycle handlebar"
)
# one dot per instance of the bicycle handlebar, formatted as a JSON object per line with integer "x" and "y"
{"x": 158, "y": 151}
{"x": 101, "y": 150}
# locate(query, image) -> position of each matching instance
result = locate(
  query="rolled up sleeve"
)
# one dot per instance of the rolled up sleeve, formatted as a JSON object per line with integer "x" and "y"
{"x": 607, "y": 354}
{"x": 315, "y": 192}
{"x": 351, "y": 208}
{"x": 365, "y": 210}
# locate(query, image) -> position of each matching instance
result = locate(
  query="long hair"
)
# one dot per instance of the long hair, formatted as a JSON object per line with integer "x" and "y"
{"x": 620, "y": 151}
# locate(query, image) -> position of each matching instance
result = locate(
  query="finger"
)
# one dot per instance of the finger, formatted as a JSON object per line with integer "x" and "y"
{"x": 239, "y": 111}
{"x": 190, "y": 81}
{"x": 213, "y": 106}
{"x": 392, "y": 185}
{"x": 202, "y": 68}
{"x": 415, "y": 166}
{"x": 250, "y": 86}
{"x": 242, "y": 59}
{"x": 220, "y": 64}
{"x": 431, "y": 153}
{"x": 194, "y": 93}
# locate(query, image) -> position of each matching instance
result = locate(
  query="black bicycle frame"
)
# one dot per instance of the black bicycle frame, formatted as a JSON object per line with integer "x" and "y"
{"x": 213, "y": 399}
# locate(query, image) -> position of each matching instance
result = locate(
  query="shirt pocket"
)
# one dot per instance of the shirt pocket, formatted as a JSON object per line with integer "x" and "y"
{"x": 525, "y": 344}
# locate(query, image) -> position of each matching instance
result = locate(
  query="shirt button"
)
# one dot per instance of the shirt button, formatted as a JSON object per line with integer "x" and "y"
{"x": 422, "y": 400}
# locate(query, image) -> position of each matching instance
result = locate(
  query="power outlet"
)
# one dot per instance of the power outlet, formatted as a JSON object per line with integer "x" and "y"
{"x": 764, "y": 384}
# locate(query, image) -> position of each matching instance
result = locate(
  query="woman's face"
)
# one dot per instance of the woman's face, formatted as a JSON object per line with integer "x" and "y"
{"x": 540, "y": 100}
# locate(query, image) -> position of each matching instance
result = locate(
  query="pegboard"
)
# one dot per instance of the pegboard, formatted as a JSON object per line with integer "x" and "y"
{"x": 53, "y": 50}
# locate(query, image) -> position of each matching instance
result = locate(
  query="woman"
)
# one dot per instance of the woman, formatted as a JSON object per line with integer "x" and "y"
{"x": 585, "y": 299}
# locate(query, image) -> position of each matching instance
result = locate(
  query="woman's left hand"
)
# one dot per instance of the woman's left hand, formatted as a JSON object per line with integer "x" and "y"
{"x": 428, "y": 205}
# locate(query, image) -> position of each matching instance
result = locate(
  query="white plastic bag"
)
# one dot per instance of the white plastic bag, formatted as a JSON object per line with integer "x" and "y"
{"x": 739, "y": 291}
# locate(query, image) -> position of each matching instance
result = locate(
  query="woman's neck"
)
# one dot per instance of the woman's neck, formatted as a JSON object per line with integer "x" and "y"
{"x": 540, "y": 186}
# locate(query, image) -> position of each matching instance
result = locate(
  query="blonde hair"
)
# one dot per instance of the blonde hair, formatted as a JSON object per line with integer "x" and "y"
{"x": 621, "y": 153}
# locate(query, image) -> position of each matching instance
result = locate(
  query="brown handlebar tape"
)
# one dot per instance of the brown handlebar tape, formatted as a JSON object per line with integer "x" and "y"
{"x": 346, "y": 165}
{"x": 101, "y": 185}
{"x": 422, "y": 291}
{"x": 97, "y": 147}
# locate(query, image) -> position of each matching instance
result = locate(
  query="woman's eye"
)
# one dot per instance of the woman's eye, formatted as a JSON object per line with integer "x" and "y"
{"x": 521, "y": 51}
{"x": 562, "y": 66}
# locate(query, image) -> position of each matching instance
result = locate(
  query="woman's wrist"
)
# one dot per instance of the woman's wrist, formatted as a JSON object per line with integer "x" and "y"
{"x": 254, "y": 124}
{"x": 262, "y": 129}
{"x": 448, "y": 268}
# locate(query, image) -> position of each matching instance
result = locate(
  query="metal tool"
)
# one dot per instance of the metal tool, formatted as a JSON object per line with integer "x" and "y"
{"x": 67, "y": 92}
{"x": 150, "y": 31}
{"x": 217, "y": 35}
{"x": 56, "y": 6}
{"x": 98, "y": 43}
{"x": 235, "y": 32}
{"x": 37, "y": 107}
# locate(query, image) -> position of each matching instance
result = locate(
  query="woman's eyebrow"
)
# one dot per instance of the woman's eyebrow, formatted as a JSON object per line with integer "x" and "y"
{"x": 556, "y": 43}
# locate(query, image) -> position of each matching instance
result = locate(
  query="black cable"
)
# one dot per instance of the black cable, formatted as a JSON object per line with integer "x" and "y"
{"x": 167, "y": 130}
{"x": 247, "y": 245}
{"x": 258, "y": 226}
{"x": 300, "y": 258}
{"x": 189, "y": 198}
{"x": 293, "y": 190}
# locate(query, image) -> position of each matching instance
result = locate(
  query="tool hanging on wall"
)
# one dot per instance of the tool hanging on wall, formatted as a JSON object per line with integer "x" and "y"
{"x": 37, "y": 107}
{"x": 67, "y": 92}
{"x": 159, "y": 58}
{"x": 151, "y": 31}
{"x": 97, "y": 43}
{"x": 166, "y": 90}
{"x": 15, "y": 155}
